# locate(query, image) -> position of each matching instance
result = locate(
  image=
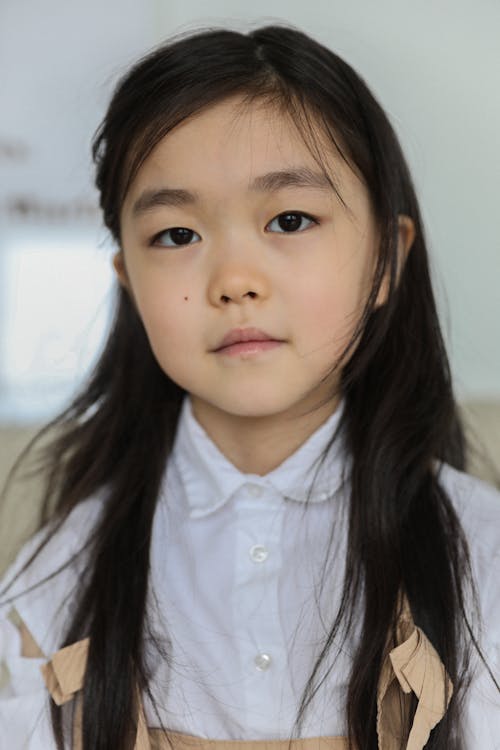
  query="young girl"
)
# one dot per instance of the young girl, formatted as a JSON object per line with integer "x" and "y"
{"x": 257, "y": 528}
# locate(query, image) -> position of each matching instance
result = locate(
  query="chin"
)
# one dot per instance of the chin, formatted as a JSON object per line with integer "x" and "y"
{"x": 253, "y": 405}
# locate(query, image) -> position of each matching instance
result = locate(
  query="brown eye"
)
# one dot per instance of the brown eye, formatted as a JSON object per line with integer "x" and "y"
{"x": 178, "y": 236}
{"x": 292, "y": 221}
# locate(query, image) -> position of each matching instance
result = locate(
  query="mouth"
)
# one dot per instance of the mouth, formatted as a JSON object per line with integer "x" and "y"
{"x": 249, "y": 347}
{"x": 245, "y": 336}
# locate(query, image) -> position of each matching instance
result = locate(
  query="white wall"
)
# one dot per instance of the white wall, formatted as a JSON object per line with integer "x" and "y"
{"x": 434, "y": 67}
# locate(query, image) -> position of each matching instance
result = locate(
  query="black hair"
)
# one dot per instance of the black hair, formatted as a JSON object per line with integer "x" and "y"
{"x": 400, "y": 417}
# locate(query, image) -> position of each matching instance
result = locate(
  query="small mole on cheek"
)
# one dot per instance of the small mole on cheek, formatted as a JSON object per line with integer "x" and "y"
{"x": 185, "y": 297}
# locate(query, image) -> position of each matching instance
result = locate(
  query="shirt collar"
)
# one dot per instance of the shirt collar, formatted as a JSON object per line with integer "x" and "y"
{"x": 209, "y": 479}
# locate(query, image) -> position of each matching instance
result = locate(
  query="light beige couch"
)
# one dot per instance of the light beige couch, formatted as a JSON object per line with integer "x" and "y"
{"x": 18, "y": 514}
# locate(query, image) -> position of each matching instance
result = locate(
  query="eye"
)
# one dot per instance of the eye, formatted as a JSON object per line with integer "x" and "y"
{"x": 178, "y": 236}
{"x": 291, "y": 221}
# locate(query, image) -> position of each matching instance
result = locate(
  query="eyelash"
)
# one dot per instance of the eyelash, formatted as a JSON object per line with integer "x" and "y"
{"x": 309, "y": 217}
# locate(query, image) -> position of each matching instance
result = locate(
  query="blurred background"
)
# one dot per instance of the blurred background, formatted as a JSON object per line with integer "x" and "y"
{"x": 433, "y": 66}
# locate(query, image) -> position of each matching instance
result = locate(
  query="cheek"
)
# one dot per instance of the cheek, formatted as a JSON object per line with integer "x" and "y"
{"x": 166, "y": 313}
{"x": 329, "y": 304}
{"x": 171, "y": 333}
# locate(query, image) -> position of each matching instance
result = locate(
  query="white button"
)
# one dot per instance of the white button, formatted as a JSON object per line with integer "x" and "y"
{"x": 262, "y": 662}
{"x": 258, "y": 553}
{"x": 255, "y": 490}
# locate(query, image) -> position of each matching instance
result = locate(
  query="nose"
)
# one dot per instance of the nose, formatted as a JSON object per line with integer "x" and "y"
{"x": 226, "y": 298}
{"x": 237, "y": 283}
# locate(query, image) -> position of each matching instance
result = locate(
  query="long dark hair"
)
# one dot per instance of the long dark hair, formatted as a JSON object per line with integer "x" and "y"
{"x": 400, "y": 415}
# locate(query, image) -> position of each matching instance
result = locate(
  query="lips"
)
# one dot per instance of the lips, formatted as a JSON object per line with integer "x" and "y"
{"x": 238, "y": 335}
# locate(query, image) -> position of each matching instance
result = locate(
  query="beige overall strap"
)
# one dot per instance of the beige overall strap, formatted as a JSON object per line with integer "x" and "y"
{"x": 64, "y": 675}
{"x": 413, "y": 665}
{"x": 179, "y": 741}
{"x": 65, "y": 671}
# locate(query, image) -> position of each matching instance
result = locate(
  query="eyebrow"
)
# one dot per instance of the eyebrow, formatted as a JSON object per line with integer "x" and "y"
{"x": 302, "y": 177}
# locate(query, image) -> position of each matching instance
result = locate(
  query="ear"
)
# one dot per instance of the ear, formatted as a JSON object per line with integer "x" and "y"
{"x": 406, "y": 237}
{"x": 120, "y": 268}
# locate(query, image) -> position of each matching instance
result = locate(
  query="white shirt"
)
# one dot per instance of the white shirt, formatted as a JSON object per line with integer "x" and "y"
{"x": 235, "y": 562}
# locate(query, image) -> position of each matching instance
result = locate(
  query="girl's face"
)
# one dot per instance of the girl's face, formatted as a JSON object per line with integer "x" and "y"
{"x": 204, "y": 251}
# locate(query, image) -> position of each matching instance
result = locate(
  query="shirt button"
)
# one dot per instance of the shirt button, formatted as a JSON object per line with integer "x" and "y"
{"x": 258, "y": 553}
{"x": 255, "y": 491}
{"x": 262, "y": 662}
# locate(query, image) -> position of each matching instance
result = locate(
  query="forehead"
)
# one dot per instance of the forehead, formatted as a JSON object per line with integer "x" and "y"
{"x": 256, "y": 130}
{"x": 230, "y": 144}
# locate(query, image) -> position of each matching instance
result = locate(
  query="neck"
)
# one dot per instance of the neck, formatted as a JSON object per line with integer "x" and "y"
{"x": 257, "y": 445}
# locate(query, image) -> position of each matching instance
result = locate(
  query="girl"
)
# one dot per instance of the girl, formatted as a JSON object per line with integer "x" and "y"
{"x": 256, "y": 524}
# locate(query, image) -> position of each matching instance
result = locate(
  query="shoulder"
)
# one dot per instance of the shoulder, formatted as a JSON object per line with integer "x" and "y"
{"x": 477, "y": 505}
{"x": 43, "y": 604}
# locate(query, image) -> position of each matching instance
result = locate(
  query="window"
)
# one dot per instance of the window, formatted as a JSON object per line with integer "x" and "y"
{"x": 55, "y": 310}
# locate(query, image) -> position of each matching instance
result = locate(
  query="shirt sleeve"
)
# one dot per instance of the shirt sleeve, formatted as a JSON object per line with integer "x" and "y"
{"x": 482, "y": 707}
{"x": 24, "y": 700}
{"x": 478, "y": 506}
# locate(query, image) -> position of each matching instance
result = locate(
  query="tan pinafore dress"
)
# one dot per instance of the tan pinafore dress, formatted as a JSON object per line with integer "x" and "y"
{"x": 412, "y": 665}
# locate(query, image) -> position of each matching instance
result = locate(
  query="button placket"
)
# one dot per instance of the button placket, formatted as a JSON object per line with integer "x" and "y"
{"x": 257, "y": 616}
